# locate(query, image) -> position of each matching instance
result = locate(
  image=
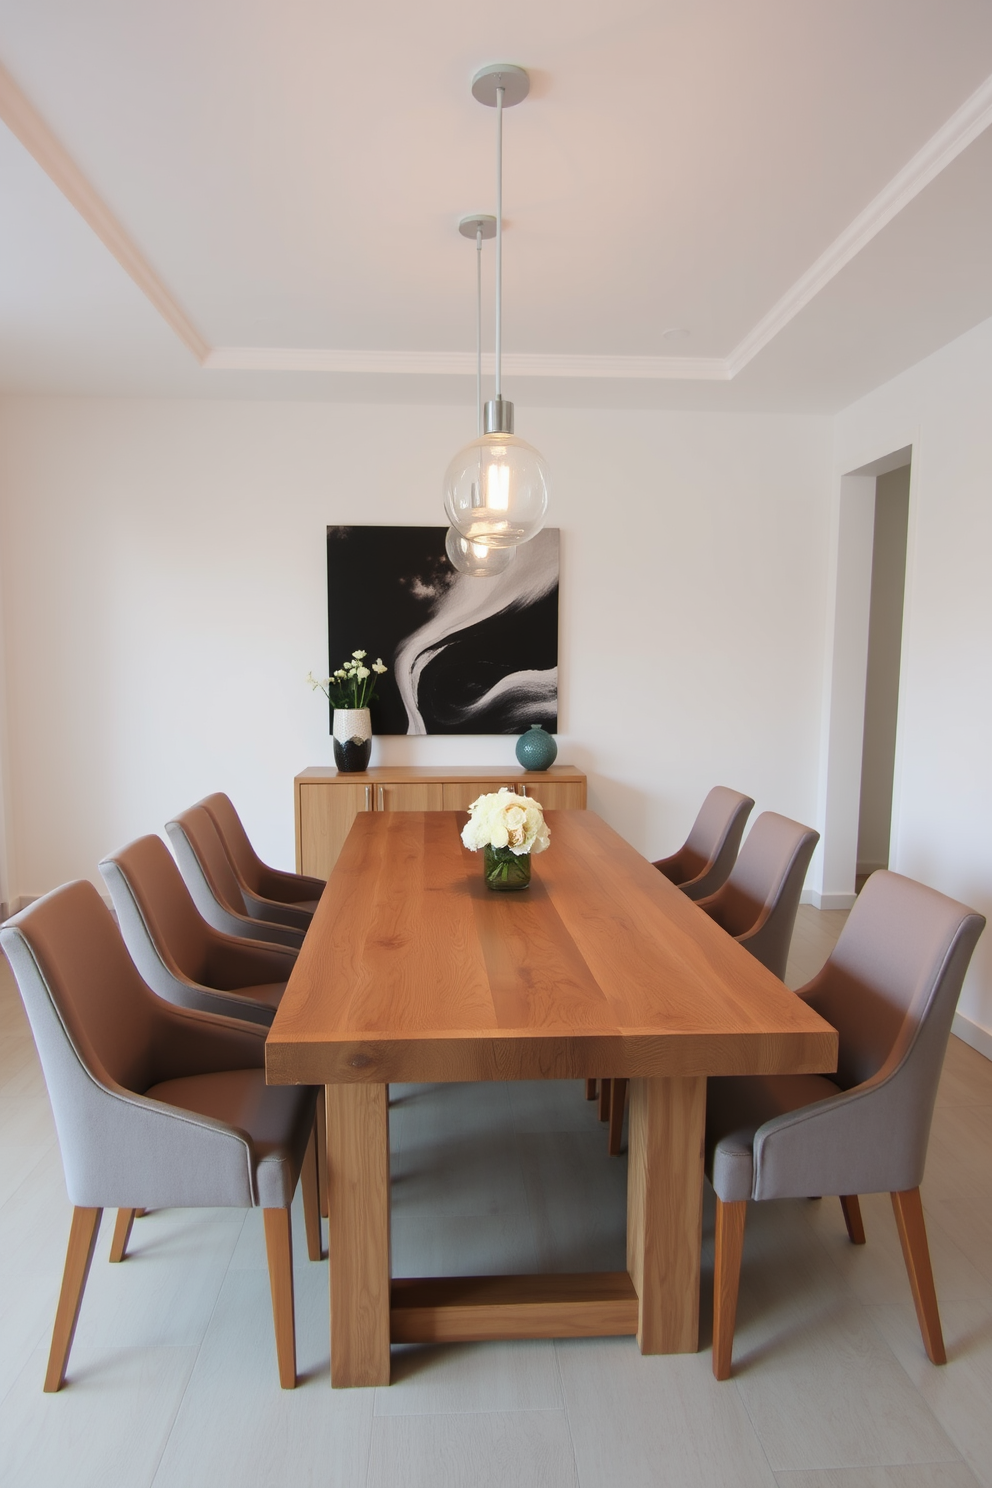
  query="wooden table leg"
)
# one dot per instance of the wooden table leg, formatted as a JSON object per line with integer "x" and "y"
{"x": 665, "y": 1210}
{"x": 358, "y": 1230}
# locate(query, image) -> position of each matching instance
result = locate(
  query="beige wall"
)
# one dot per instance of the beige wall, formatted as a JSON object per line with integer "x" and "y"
{"x": 164, "y": 592}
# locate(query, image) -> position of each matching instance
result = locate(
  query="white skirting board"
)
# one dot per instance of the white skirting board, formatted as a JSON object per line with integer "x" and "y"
{"x": 827, "y": 901}
{"x": 973, "y": 1033}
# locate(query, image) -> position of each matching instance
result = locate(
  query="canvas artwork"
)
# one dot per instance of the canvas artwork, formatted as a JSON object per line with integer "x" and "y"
{"x": 465, "y": 656}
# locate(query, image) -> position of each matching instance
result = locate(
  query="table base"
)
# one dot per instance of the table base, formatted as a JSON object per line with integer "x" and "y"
{"x": 657, "y": 1299}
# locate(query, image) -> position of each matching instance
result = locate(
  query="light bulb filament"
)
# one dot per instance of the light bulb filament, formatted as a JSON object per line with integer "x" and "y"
{"x": 498, "y": 487}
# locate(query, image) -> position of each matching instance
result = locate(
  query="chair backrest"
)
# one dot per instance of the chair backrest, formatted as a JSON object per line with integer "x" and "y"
{"x": 197, "y": 829}
{"x": 758, "y": 903}
{"x": 890, "y": 989}
{"x": 893, "y": 978}
{"x": 66, "y": 950}
{"x": 244, "y": 860}
{"x": 153, "y": 904}
{"x": 715, "y": 839}
{"x": 103, "y": 1038}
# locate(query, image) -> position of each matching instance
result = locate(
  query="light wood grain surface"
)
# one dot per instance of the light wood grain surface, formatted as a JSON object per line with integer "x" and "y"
{"x": 413, "y": 970}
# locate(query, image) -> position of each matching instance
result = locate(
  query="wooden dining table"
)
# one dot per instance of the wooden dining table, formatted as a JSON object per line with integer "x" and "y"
{"x": 414, "y": 971}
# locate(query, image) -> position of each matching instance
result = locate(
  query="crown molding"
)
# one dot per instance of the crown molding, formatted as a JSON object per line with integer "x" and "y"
{"x": 27, "y": 125}
{"x": 461, "y": 363}
{"x": 961, "y": 129}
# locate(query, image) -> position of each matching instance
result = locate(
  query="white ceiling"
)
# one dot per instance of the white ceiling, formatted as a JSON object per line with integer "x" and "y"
{"x": 806, "y": 185}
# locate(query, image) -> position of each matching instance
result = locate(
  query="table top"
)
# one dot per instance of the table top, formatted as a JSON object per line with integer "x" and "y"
{"x": 413, "y": 970}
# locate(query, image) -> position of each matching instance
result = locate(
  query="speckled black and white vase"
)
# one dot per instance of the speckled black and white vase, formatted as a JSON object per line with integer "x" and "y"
{"x": 352, "y": 739}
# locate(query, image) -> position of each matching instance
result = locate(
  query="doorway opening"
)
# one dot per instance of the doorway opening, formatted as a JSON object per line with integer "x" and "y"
{"x": 885, "y": 618}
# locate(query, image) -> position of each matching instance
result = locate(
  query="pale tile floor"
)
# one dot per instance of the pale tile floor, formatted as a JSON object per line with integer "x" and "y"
{"x": 172, "y": 1379}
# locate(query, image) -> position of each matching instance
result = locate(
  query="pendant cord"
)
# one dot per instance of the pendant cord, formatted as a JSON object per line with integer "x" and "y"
{"x": 499, "y": 243}
{"x": 478, "y": 327}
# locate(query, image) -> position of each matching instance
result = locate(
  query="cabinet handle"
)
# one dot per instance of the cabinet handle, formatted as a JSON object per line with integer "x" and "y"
{"x": 521, "y": 790}
{"x": 368, "y": 798}
{"x": 382, "y": 798}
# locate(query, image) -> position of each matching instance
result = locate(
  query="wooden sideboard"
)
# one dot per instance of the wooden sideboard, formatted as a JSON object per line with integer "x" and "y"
{"x": 327, "y": 802}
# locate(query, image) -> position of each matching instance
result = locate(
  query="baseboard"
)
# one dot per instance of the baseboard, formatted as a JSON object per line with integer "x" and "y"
{"x": 827, "y": 901}
{"x": 974, "y": 1034}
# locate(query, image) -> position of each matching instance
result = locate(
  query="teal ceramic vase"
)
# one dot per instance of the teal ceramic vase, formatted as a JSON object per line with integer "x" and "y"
{"x": 536, "y": 750}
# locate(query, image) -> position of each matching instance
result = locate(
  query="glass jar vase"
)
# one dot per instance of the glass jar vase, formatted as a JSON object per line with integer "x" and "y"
{"x": 504, "y": 869}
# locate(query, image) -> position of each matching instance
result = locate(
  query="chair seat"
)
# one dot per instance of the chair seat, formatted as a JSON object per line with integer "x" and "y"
{"x": 736, "y": 1106}
{"x": 276, "y": 1118}
{"x": 266, "y": 993}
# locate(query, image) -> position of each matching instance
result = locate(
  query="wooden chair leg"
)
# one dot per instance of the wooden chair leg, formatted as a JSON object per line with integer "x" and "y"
{"x": 908, "y": 1208}
{"x": 311, "y": 1201}
{"x": 730, "y": 1219}
{"x": 140, "y": 1213}
{"x": 322, "y": 1152}
{"x": 122, "y": 1233}
{"x": 592, "y": 1089}
{"x": 618, "y": 1100}
{"x": 82, "y": 1242}
{"x": 279, "y": 1249}
{"x": 852, "y": 1218}
{"x": 605, "y": 1087}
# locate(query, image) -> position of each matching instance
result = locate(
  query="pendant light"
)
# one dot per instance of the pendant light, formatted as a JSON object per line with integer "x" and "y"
{"x": 474, "y": 559}
{"x": 496, "y": 488}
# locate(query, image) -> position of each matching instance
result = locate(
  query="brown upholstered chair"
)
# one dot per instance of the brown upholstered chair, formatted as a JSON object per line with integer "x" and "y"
{"x": 213, "y": 887}
{"x": 269, "y": 894}
{"x": 758, "y": 903}
{"x": 890, "y": 989}
{"x": 703, "y": 862}
{"x": 155, "y": 1106}
{"x": 179, "y": 955}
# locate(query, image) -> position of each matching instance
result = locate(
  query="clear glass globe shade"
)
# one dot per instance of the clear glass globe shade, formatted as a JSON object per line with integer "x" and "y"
{"x": 496, "y": 491}
{"x": 475, "y": 559}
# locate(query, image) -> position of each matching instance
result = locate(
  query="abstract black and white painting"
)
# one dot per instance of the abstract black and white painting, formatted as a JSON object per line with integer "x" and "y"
{"x": 465, "y": 656}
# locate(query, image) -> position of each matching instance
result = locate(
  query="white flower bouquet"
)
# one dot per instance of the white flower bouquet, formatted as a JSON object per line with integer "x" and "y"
{"x": 509, "y": 828}
{"x": 352, "y": 685}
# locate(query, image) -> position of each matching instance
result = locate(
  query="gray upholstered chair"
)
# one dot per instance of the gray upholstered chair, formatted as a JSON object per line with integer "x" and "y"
{"x": 269, "y": 894}
{"x": 890, "y": 989}
{"x": 155, "y": 1106}
{"x": 703, "y": 862}
{"x": 701, "y": 865}
{"x": 178, "y": 954}
{"x": 758, "y": 903}
{"x": 213, "y": 887}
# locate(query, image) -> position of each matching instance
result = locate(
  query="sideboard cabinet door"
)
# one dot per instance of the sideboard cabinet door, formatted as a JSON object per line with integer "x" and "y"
{"x": 326, "y": 815}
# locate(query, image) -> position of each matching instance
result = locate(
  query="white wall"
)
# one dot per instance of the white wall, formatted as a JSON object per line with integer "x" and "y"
{"x": 164, "y": 584}
{"x": 942, "y": 806}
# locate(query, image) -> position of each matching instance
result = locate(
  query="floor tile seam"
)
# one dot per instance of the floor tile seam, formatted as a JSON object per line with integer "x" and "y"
{"x": 568, "y": 1415}
{"x": 742, "y": 1398}
{"x": 29, "y": 1174}
{"x": 156, "y": 1467}
{"x": 835, "y": 1266}
{"x": 195, "y": 1349}
{"x": 924, "y": 1404}
{"x": 496, "y": 1410}
{"x": 28, "y": 1356}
